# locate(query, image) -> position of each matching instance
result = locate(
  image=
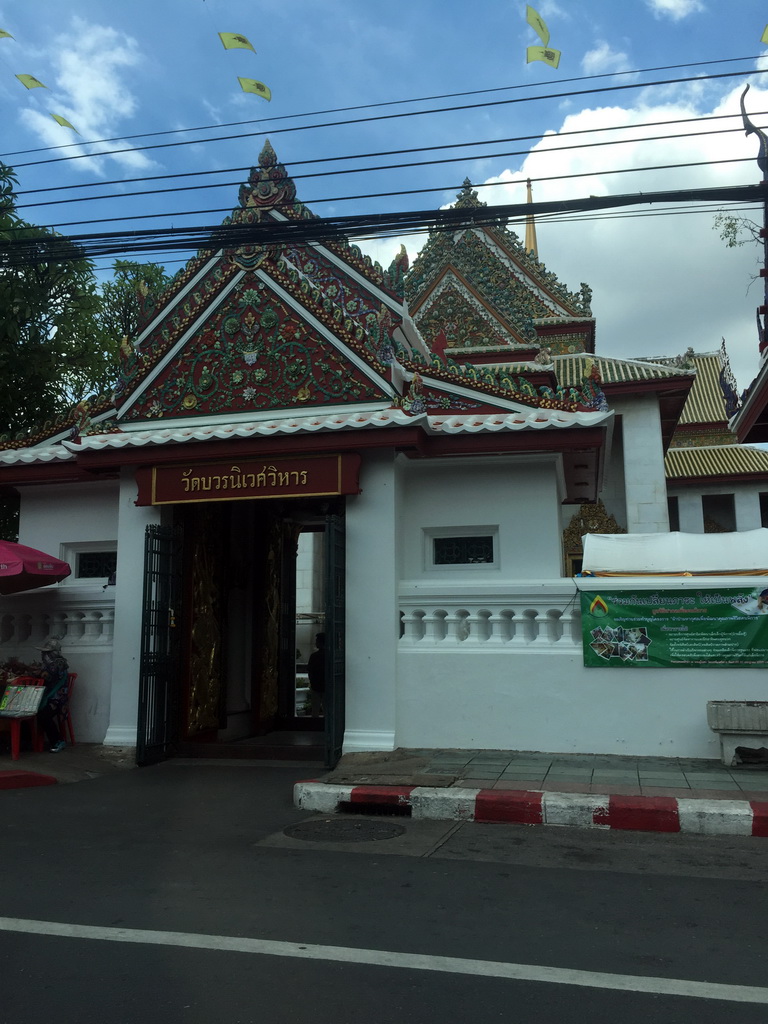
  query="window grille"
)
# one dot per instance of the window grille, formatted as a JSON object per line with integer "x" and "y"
{"x": 463, "y": 550}
{"x": 94, "y": 565}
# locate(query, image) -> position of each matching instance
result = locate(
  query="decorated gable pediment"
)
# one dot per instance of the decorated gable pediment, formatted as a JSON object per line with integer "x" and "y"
{"x": 481, "y": 288}
{"x": 273, "y": 327}
{"x": 255, "y": 352}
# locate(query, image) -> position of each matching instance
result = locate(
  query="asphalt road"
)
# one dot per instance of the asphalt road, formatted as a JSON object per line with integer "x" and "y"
{"x": 174, "y": 894}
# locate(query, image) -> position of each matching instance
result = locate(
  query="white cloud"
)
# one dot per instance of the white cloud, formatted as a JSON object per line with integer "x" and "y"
{"x": 604, "y": 60}
{"x": 89, "y": 84}
{"x": 661, "y": 282}
{"x": 675, "y": 9}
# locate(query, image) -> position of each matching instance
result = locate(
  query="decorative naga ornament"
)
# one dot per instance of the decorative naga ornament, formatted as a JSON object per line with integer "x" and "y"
{"x": 762, "y": 163}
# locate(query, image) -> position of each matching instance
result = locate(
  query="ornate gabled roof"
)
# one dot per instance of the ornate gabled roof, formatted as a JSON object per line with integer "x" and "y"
{"x": 703, "y": 447}
{"x": 480, "y": 287}
{"x": 713, "y": 398}
{"x": 304, "y": 337}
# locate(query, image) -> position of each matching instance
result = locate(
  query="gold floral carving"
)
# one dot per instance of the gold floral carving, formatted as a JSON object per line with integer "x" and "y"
{"x": 271, "y": 640}
{"x": 589, "y": 519}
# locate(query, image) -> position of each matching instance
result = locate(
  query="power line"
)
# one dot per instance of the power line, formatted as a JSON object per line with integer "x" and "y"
{"x": 317, "y": 230}
{"x": 401, "y": 165}
{"x": 412, "y": 192}
{"x": 388, "y": 117}
{"x": 542, "y": 219}
{"x": 385, "y": 103}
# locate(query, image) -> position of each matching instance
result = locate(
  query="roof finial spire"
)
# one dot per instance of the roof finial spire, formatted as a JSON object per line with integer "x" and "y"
{"x": 530, "y": 225}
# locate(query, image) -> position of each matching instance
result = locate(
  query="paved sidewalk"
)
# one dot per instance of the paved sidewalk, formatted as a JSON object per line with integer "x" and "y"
{"x": 650, "y": 794}
{"x": 575, "y": 773}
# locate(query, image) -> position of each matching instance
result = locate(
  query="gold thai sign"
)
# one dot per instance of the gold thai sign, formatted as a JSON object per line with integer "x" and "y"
{"x": 296, "y": 477}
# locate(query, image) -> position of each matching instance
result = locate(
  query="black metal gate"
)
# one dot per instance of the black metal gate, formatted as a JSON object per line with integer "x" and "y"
{"x": 160, "y": 647}
{"x": 335, "y": 541}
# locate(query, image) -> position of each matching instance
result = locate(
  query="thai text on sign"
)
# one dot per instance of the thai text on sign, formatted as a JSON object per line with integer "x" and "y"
{"x": 675, "y": 628}
{"x": 301, "y": 476}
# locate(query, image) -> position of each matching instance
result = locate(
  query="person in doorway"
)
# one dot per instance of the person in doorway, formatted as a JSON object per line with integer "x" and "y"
{"x": 54, "y": 675}
{"x": 316, "y": 673}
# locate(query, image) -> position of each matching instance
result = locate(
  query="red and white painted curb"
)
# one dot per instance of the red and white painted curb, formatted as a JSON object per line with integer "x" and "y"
{"x": 532, "y": 807}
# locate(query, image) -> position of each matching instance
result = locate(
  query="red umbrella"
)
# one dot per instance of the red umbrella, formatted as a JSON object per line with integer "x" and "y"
{"x": 23, "y": 568}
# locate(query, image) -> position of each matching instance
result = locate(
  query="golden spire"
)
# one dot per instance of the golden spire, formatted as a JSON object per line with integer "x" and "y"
{"x": 530, "y": 226}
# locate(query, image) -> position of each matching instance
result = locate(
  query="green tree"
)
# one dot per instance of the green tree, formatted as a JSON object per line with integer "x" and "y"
{"x": 120, "y": 313}
{"x": 736, "y": 231}
{"x": 59, "y": 329}
{"x": 50, "y": 355}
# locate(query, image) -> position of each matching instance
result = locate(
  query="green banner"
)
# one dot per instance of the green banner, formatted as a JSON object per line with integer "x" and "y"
{"x": 675, "y": 628}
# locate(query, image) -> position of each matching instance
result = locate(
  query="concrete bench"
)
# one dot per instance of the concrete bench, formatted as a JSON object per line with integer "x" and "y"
{"x": 739, "y": 723}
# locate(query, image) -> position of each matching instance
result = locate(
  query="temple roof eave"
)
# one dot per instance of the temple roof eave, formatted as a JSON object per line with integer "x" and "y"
{"x": 528, "y": 420}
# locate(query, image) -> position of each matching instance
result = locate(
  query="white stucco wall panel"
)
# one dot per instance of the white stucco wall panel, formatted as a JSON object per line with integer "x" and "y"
{"x": 55, "y": 516}
{"x": 746, "y": 498}
{"x": 550, "y": 702}
{"x": 124, "y": 697}
{"x": 372, "y": 620}
{"x": 519, "y": 495}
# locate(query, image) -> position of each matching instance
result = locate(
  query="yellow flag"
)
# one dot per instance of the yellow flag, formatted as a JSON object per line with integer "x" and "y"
{"x": 64, "y": 122}
{"x": 4, "y": 34}
{"x": 251, "y": 85}
{"x": 234, "y": 41}
{"x": 764, "y": 36}
{"x": 543, "y": 53}
{"x": 31, "y": 82}
{"x": 537, "y": 23}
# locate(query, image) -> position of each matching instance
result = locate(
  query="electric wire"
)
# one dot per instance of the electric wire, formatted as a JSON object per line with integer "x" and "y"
{"x": 395, "y": 167}
{"x": 388, "y": 117}
{"x": 546, "y": 220}
{"x": 361, "y": 156}
{"x": 273, "y": 231}
{"x": 385, "y": 103}
{"x": 405, "y": 192}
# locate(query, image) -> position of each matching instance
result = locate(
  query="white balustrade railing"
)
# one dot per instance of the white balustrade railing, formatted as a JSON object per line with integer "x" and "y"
{"x": 536, "y": 616}
{"x": 82, "y": 617}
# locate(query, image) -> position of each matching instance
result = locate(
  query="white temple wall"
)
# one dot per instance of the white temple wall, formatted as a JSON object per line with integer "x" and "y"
{"x": 552, "y": 703}
{"x": 516, "y": 499}
{"x": 746, "y": 498}
{"x": 502, "y": 668}
{"x": 56, "y": 516}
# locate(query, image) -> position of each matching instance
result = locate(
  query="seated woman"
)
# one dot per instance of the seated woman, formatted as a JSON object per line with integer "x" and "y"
{"x": 54, "y": 674}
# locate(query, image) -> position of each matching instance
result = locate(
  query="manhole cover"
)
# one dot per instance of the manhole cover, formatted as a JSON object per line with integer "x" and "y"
{"x": 342, "y": 830}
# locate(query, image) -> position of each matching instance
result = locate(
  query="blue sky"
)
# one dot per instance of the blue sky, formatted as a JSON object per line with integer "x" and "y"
{"x": 660, "y": 283}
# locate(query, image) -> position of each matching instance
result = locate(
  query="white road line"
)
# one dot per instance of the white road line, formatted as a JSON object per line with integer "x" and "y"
{"x": 386, "y": 958}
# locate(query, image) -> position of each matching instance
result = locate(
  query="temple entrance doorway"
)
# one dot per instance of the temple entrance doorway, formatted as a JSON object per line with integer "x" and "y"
{"x": 259, "y": 581}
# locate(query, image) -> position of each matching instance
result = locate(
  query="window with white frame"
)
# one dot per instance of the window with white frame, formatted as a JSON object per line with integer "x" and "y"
{"x": 91, "y": 561}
